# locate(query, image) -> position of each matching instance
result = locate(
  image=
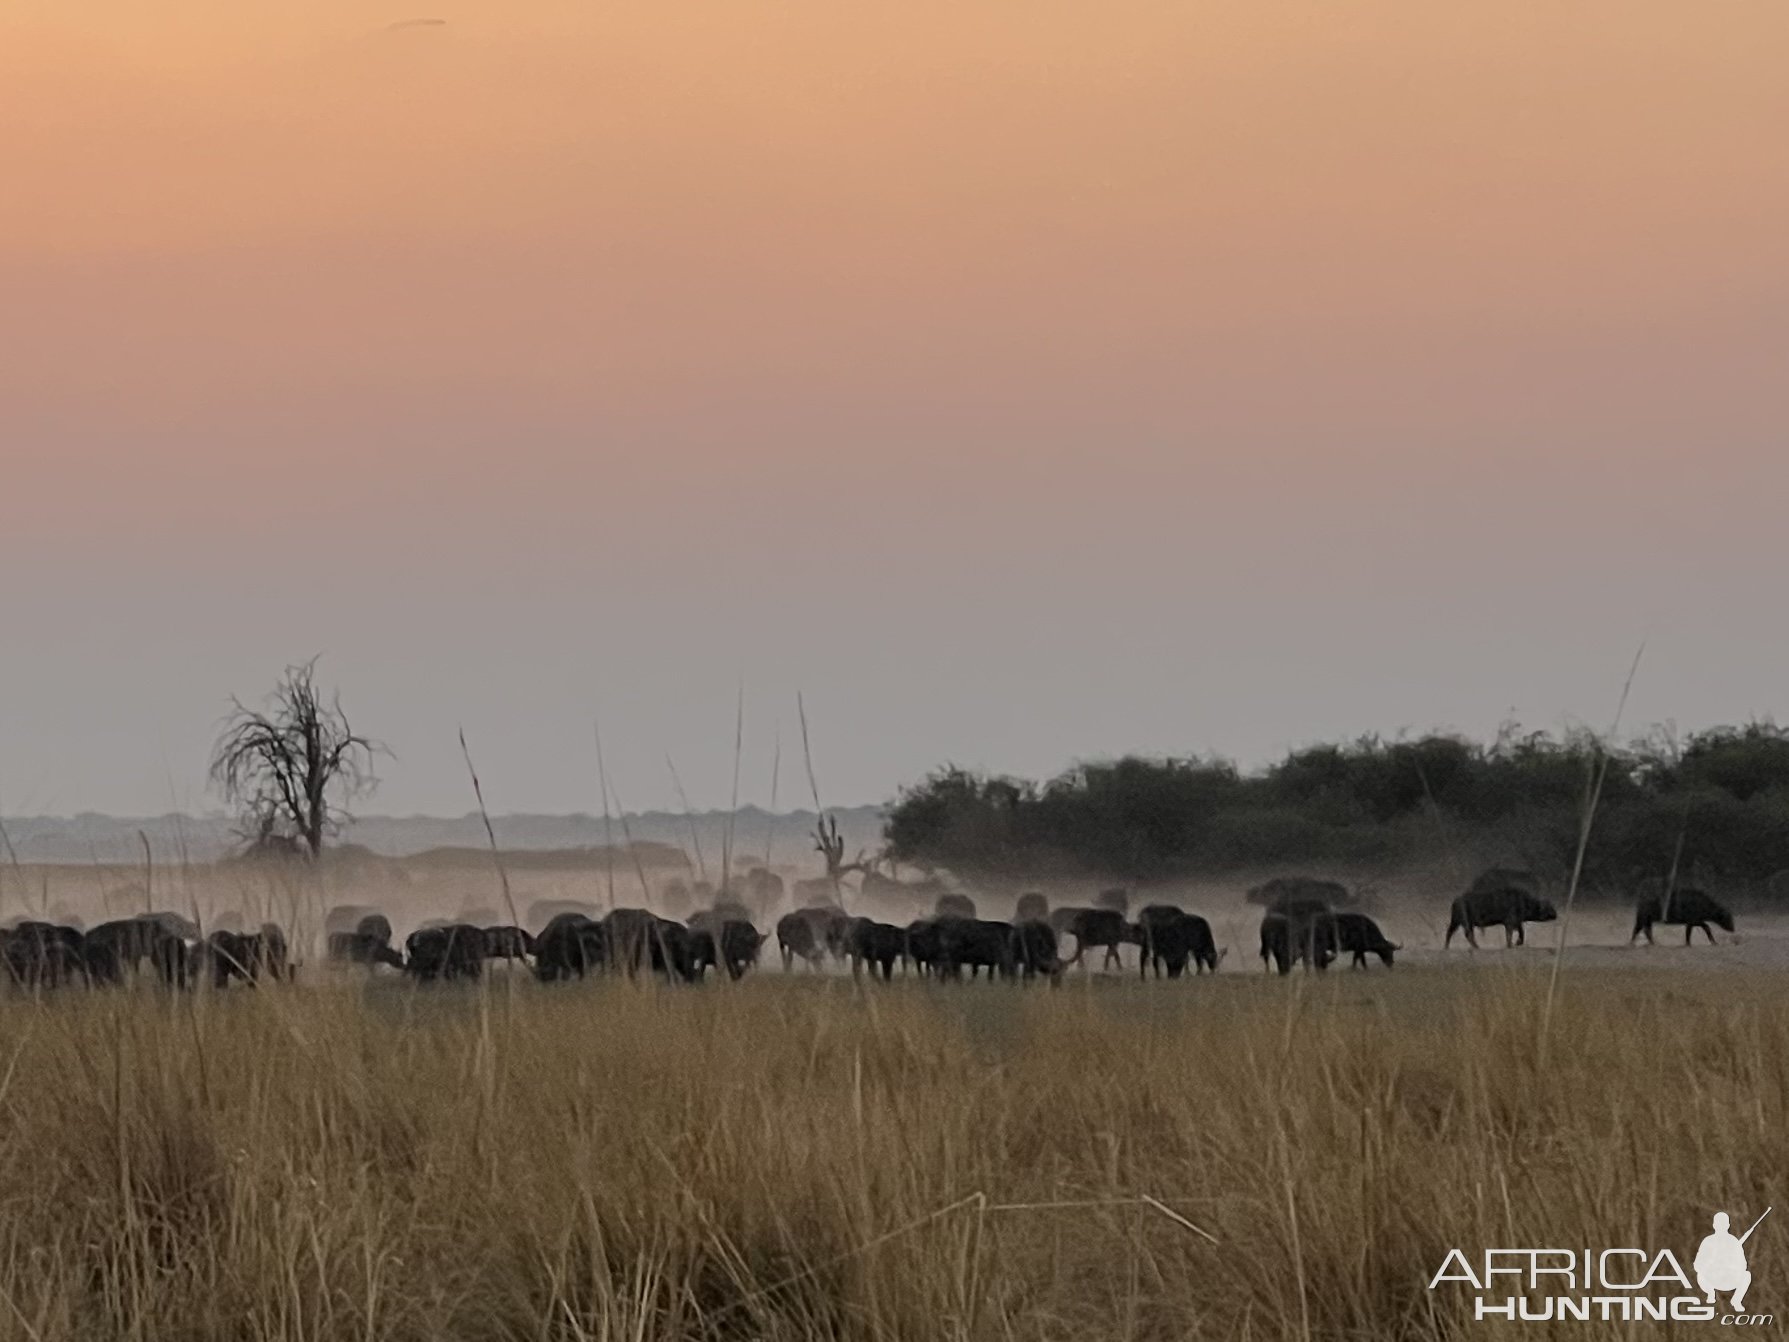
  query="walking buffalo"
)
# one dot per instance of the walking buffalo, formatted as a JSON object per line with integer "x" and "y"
{"x": 1509, "y": 908}
{"x": 1095, "y": 927}
{"x": 456, "y": 951}
{"x": 1032, "y": 908}
{"x": 1689, "y": 909}
{"x": 1359, "y": 936}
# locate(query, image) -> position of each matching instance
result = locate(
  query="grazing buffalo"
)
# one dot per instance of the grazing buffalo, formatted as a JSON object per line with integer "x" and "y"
{"x": 1035, "y": 951}
{"x": 455, "y": 951}
{"x": 1095, "y": 927}
{"x": 1307, "y": 935}
{"x": 248, "y": 956}
{"x": 1687, "y": 908}
{"x": 1032, "y": 908}
{"x": 877, "y": 944}
{"x": 976, "y": 944}
{"x": 112, "y": 949}
{"x": 42, "y": 955}
{"x": 672, "y": 951}
{"x": 1171, "y": 937}
{"x": 733, "y": 944}
{"x": 1508, "y": 908}
{"x": 571, "y": 945}
{"x": 954, "y": 906}
{"x": 629, "y": 934}
{"x": 505, "y": 941}
{"x": 1359, "y": 936}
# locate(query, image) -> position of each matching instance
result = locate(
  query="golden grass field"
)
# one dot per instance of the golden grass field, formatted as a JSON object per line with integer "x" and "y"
{"x": 800, "y": 1158}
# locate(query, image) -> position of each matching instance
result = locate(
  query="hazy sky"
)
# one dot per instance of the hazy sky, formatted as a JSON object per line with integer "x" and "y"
{"x": 1021, "y": 380}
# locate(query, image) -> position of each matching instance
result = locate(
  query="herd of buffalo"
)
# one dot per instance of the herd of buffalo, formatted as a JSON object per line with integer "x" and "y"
{"x": 1303, "y": 921}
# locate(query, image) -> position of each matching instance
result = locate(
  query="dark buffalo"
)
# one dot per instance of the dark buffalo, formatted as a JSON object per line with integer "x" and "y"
{"x": 42, "y": 955}
{"x": 796, "y": 939}
{"x": 827, "y": 923}
{"x": 231, "y": 956}
{"x": 112, "y": 949}
{"x": 1287, "y": 938}
{"x": 631, "y": 935}
{"x": 1359, "y": 936}
{"x": 571, "y": 945}
{"x": 733, "y": 944}
{"x": 877, "y": 944}
{"x": 1171, "y": 938}
{"x": 1035, "y": 951}
{"x": 1032, "y": 908}
{"x": 247, "y": 956}
{"x": 954, "y": 906}
{"x": 924, "y": 939}
{"x": 1508, "y": 908}
{"x": 672, "y": 951}
{"x": 976, "y": 944}
{"x": 508, "y": 942}
{"x": 1689, "y": 908}
{"x": 1095, "y": 927}
{"x": 455, "y": 951}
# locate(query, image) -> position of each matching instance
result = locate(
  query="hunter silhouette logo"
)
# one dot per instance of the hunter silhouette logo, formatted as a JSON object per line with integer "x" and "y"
{"x": 1611, "y": 1285}
{"x": 1721, "y": 1262}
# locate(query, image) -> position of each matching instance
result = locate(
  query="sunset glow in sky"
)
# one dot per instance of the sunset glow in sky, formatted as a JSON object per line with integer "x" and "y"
{"x": 1020, "y": 380}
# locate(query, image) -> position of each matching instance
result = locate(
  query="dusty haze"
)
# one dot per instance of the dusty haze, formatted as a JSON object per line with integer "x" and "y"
{"x": 1022, "y": 381}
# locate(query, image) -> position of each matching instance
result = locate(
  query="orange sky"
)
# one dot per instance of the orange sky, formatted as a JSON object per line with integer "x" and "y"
{"x": 1380, "y": 321}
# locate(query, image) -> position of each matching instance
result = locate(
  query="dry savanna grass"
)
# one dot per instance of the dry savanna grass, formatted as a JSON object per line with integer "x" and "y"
{"x": 798, "y": 1158}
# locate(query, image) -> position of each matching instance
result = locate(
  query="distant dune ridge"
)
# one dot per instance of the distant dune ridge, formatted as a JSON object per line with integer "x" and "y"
{"x": 90, "y": 837}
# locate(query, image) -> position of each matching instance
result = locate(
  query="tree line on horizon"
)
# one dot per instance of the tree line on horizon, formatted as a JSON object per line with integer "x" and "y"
{"x": 1712, "y": 807}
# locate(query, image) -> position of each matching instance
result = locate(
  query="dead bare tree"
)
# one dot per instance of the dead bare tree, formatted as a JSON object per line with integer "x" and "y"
{"x": 292, "y": 767}
{"x": 831, "y": 846}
